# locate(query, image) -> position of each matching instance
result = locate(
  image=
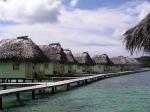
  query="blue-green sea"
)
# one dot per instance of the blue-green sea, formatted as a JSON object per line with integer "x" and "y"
{"x": 130, "y": 93}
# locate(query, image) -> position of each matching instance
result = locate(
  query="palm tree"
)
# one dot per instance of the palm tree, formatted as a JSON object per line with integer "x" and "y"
{"x": 138, "y": 37}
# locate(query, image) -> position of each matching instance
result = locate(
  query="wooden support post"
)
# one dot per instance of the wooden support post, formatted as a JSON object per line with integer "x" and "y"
{"x": 86, "y": 81}
{"x": 68, "y": 86}
{"x": 43, "y": 91}
{"x": 33, "y": 94}
{"x": 23, "y": 80}
{"x": 78, "y": 83}
{"x": 16, "y": 80}
{"x": 4, "y": 87}
{"x": 53, "y": 90}
{"x": 1, "y": 103}
{"x": 32, "y": 80}
{"x": 40, "y": 92}
{"x": 18, "y": 96}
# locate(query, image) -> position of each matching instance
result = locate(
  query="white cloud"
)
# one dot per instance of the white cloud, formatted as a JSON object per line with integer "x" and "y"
{"x": 73, "y": 3}
{"x": 30, "y": 11}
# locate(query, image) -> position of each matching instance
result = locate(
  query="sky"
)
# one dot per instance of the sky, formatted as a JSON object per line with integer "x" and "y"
{"x": 95, "y": 26}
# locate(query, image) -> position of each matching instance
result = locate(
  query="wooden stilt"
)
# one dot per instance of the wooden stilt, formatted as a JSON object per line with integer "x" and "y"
{"x": 86, "y": 81}
{"x": 79, "y": 83}
{"x": 1, "y": 103}
{"x": 40, "y": 92}
{"x": 18, "y": 96}
{"x": 16, "y": 80}
{"x": 68, "y": 86}
{"x": 4, "y": 87}
{"x": 23, "y": 80}
{"x": 33, "y": 94}
{"x": 53, "y": 90}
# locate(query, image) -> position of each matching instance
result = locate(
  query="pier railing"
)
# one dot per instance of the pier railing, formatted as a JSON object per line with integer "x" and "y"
{"x": 32, "y": 87}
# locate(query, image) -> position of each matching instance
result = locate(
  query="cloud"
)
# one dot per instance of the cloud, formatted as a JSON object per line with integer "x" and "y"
{"x": 45, "y": 21}
{"x": 73, "y": 3}
{"x": 30, "y": 11}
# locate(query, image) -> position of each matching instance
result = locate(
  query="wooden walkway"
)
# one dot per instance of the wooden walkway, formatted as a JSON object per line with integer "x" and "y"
{"x": 53, "y": 85}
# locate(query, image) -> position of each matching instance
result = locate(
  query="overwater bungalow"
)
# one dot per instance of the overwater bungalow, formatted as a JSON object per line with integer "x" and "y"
{"x": 121, "y": 63}
{"x": 134, "y": 63}
{"x": 85, "y": 63}
{"x": 102, "y": 63}
{"x": 20, "y": 58}
{"x": 70, "y": 66}
{"x": 57, "y": 59}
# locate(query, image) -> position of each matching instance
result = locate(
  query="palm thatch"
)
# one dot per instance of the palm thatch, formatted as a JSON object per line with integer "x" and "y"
{"x": 84, "y": 58}
{"x": 102, "y": 59}
{"x": 54, "y": 52}
{"x": 138, "y": 37}
{"x": 69, "y": 56}
{"x": 20, "y": 49}
{"x": 133, "y": 61}
{"x": 121, "y": 60}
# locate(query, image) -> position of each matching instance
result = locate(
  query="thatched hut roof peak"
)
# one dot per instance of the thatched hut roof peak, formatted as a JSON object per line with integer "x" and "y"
{"x": 102, "y": 59}
{"x": 84, "y": 58}
{"x": 54, "y": 52}
{"x": 69, "y": 56}
{"x": 121, "y": 60}
{"x": 23, "y": 37}
{"x": 67, "y": 51}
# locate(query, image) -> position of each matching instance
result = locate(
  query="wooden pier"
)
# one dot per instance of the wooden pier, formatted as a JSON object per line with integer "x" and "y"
{"x": 32, "y": 87}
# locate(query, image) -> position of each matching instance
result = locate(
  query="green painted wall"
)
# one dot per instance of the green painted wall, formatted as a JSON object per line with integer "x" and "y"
{"x": 79, "y": 69}
{"x": 69, "y": 68}
{"x": 47, "y": 71}
{"x": 115, "y": 68}
{"x": 98, "y": 68}
{"x": 6, "y": 70}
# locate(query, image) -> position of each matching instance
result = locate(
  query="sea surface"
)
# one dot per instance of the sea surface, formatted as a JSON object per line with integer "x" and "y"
{"x": 130, "y": 93}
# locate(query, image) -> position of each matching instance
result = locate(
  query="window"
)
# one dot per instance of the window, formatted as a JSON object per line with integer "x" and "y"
{"x": 46, "y": 65}
{"x": 16, "y": 66}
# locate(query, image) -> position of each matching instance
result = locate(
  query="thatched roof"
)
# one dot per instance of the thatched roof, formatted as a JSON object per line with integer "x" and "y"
{"x": 20, "y": 49}
{"x": 84, "y": 58}
{"x": 69, "y": 56}
{"x": 54, "y": 52}
{"x": 138, "y": 37}
{"x": 121, "y": 60}
{"x": 134, "y": 61}
{"x": 102, "y": 59}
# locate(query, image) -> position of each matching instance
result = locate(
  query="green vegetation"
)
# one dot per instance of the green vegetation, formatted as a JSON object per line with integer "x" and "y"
{"x": 145, "y": 60}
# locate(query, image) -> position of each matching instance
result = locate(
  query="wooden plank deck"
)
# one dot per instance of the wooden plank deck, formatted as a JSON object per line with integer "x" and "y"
{"x": 44, "y": 85}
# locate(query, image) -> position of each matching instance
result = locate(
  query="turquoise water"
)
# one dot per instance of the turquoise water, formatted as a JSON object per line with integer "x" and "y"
{"x": 130, "y": 93}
